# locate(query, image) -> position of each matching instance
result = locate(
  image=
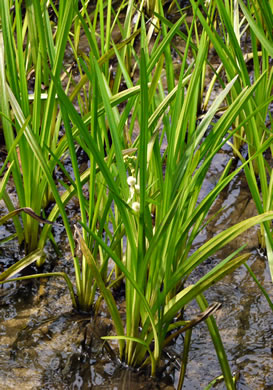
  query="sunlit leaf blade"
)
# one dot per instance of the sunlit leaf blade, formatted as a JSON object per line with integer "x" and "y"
{"x": 21, "y": 264}
{"x": 257, "y": 30}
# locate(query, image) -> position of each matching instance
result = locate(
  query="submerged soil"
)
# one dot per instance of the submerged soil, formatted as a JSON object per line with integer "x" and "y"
{"x": 46, "y": 345}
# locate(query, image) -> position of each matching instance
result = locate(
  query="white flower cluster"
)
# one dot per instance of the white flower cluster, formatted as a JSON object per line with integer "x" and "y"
{"x": 130, "y": 160}
{"x": 134, "y": 189}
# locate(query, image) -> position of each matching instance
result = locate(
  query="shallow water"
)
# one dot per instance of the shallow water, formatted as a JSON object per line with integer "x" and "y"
{"x": 45, "y": 345}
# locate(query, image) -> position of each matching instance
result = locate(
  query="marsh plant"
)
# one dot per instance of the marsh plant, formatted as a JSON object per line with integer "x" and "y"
{"x": 156, "y": 198}
{"x": 149, "y": 150}
{"x": 256, "y": 118}
{"x": 28, "y": 46}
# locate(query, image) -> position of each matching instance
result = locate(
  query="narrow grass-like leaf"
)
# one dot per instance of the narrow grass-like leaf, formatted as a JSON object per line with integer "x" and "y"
{"x": 257, "y": 30}
{"x": 26, "y": 210}
{"x": 4, "y": 180}
{"x": 21, "y": 264}
{"x": 218, "y": 345}
{"x": 105, "y": 292}
{"x": 43, "y": 275}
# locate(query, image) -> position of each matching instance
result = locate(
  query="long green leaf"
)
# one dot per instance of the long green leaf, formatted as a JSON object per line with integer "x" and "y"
{"x": 257, "y": 30}
{"x": 218, "y": 345}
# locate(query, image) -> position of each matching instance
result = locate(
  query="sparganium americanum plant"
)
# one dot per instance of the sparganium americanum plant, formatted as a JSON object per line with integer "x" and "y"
{"x": 29, "y": 45}
{"x": 256, "y": 117}
{"x": 157, "y": 253}
{"x": 140, "y": 198}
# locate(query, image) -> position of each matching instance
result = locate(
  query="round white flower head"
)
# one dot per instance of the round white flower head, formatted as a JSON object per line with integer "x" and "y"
{"x": 137, "y": 188}
{"x": 131, "y": 180}
{"x": 136, "y": 206}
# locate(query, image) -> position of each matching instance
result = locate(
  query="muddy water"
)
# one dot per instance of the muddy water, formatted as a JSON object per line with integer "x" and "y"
{"x": 45, "y": 345}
